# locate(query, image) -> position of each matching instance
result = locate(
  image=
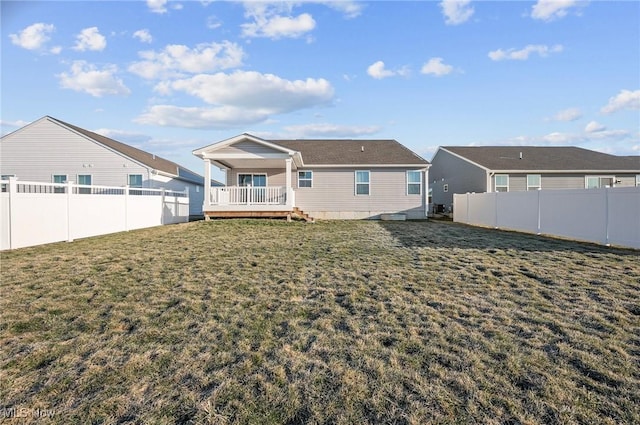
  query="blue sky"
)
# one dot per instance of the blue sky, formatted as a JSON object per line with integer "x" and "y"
{"x": 172, "y": 76}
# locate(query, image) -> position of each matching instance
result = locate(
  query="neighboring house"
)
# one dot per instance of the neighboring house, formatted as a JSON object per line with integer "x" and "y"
{"x": 53, "y": 151}
{"x": 462, "y": 169}
{"x": 326, "y": 179}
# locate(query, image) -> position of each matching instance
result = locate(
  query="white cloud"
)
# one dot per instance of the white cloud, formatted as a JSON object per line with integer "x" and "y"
{"x": 143, "y": 35}
{"x": 523, "y": 54}
{"x": 594, "y": 127}
{"x": 269, "y": 21}
{"x": 548, "y": 10}
{"x": 456, "y": 11}
{"x": 157, "y": 6}
{"x": 177, "y": 59}
{"x": 237, "y": 99}
{"x": 213, "y": 22}
{"x": 566, "y": 115}
{"x": 626, "y": 99}
{"x": 350, "y": 9}
{"x": 198, "y": 117}
{"x": 329, "y": 130}
{"x": 435, "y": 67}
{"x": 256, "y": 91}
{"x": 378, "y": 71}
{"x": 90, "y": 39}
{"x": 34, "y": 36}
{"x": 85, "y": 77}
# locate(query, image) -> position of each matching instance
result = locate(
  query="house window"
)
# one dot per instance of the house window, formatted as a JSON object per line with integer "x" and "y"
{"x": 5, "y": 187}
{"x": 84, "y": 179}
{"x": 594, "y": 182}
{"x": 362, "y": 182}
{"x": 445, "y": 187}
{"x": 502, "y": 183}
{"x": 134, "y": 180}
{"x": 305, "y": 178}
{"x": 414, "y": 183}
{"x": 638, "y": 180}
{"x": 61, "y": 179}
{"x": 534, "y": 182}
{"x": 255, "y": 180}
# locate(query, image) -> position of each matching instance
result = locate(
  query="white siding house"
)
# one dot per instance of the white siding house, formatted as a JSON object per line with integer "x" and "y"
{"x": 326, "y": 179}
{"x": 50, "y": 150}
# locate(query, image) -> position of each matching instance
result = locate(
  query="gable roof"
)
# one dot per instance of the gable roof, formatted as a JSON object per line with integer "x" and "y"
{"x": 145, "y": 158}
{"x": 544, "y": 158}
{"x": 353, "y": 152}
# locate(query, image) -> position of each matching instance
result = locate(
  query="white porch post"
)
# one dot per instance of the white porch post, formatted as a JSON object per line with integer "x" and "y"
{"x": 207, "y": 183}
{"x": 288, "y": 180}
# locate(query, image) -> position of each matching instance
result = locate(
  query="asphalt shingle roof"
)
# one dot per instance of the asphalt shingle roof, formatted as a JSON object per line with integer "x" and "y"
{"x": 352, "y": 152}
{"x": 561, "y": 158}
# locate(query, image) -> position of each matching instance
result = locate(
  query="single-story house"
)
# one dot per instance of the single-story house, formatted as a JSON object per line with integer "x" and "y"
{"x": 325, "y": 179}
{"x": 50, "y": 150}
{"x": 462, "y": 169}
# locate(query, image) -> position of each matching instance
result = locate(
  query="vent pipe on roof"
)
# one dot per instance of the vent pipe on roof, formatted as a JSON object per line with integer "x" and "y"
{"x": 520, "y": 155}
{"x": 361, "y": 148}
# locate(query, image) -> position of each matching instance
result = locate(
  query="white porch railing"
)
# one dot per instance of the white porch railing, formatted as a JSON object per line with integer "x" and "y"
{"x": 247, "y": 195}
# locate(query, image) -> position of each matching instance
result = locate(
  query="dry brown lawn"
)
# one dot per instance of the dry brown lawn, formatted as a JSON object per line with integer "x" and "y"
{"x": 267, "y": 322}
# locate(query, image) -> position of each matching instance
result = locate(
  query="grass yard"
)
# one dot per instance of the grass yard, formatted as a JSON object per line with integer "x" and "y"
{"x": 268, "y": 322}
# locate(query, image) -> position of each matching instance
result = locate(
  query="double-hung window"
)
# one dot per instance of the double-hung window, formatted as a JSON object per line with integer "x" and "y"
{"x": 414, "y": 183}
{"x": 84, "y": 179}
{"x": 534, "y": 182}
{"x": 502, "y": 182}
{"x": 305, "y": 178}
{"x": 59, "y": 179}
{"x": 363, "y": 182}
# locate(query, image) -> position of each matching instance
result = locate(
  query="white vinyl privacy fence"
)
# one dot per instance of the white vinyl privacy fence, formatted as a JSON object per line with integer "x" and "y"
{"x": 35, "y": 213}
{"x": 609, "y": 216}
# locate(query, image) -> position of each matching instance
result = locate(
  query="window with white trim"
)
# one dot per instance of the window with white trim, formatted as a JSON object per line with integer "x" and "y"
{"x": 638, "y": 180}
{"x": 134, "y": 180}
{"x": 502, "y": 182}
{"x": 414, "y": 183}
{"x": 363, "y": 182}
{"x": 59, "y": 179}
{"x": 594, "y": 182}
{"x": 84, "y": 179}
{"x": 534, "y": 182}
{"x": 305, "y": 178}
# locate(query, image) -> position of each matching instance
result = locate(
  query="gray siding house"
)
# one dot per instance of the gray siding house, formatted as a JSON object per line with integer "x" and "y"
{"x": 462, "y": 169}
{"x": 325, "y": 179}
{"x": 50, "y": 150}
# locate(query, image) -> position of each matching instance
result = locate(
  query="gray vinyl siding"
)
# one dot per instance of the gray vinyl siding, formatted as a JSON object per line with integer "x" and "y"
{"x": 334, "y": 191}
{"x": 44, "y": 148}
{"x": 518, "y": 182}
{"x": 461, "y": 176}
{"x": 247, "y": 147}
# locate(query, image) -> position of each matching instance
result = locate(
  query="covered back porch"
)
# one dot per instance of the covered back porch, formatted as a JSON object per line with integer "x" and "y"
{"x": 258, "y": 178}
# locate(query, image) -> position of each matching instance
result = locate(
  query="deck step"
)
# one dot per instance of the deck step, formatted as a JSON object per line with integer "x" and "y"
{"x": 297, "y": 211}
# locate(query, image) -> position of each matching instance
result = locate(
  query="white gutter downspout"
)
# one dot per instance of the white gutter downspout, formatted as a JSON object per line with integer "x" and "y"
{"x": 489, "y": 180}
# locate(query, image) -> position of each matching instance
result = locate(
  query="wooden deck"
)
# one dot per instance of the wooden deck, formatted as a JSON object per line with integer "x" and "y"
{"x": 296, "y": 212}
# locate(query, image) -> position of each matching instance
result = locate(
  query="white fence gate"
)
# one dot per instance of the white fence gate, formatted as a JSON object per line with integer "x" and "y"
{"x": 607, "y": 216}
{"x": 35, "y": 213}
